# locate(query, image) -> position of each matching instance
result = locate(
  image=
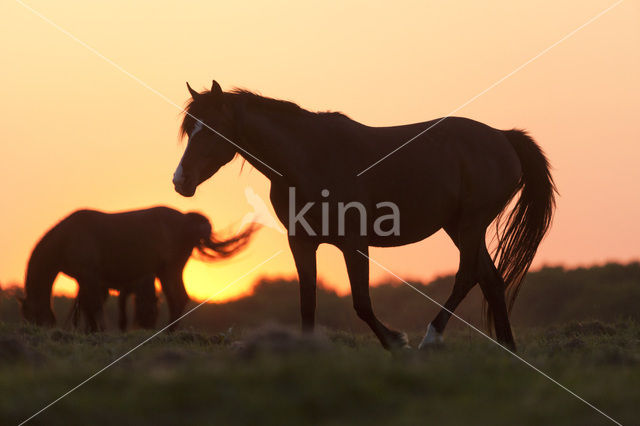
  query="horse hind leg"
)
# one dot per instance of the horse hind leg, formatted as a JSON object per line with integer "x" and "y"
{"x": 493, "y": 288}
{"x": 175, "y": 295}
{"x": 468, "y": 240}
{"x": 435, "y": 329}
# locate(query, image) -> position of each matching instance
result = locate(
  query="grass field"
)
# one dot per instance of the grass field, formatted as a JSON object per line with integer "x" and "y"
{"x": 273, "y": 376}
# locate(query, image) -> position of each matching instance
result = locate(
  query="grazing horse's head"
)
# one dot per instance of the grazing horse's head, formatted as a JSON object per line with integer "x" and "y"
{"x": 208, "y": 123}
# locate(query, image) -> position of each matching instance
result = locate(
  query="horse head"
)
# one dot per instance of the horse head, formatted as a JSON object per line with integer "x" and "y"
{"x": 208, "y": 123}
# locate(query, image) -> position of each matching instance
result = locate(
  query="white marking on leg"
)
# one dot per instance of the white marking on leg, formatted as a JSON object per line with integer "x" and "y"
{"x": 432, "y": 337}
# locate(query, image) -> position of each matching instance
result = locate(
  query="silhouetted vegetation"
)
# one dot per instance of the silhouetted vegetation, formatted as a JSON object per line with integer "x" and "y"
{"x": 550, "y": 296}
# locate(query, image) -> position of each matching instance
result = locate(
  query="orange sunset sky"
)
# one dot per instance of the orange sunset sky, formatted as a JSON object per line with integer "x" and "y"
{"x": 78, "y": 132}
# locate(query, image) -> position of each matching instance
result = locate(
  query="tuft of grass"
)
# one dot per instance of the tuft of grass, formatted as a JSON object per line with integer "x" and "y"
{"x": 274, "y": 376}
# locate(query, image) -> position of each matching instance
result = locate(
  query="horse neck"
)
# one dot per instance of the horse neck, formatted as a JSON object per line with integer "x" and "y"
{"x": 42, "y": 270}
{"x": 275, "y": 141}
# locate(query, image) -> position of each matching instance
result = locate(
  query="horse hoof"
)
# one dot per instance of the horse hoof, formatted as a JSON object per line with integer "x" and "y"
{"x": 431, "y": 338}
{"x": 400, "y": 342}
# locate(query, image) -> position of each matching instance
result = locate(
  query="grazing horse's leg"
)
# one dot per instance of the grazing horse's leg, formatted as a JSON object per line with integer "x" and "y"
{"x": 358, "y": 270}
{"x": 175, "y": 293}
{"x": 122, "y": 309}
{"x": 304, "y": 255}
{"x": 493, "y": 288}
{"x": 75, "y": 312}
{"x": 91, "y": 297}
{"x": 146, "y": 303}
{"x": 469, "y": 239}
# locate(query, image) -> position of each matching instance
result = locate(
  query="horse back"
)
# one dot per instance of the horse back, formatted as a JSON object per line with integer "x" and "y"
{"x": 120, "y": 246}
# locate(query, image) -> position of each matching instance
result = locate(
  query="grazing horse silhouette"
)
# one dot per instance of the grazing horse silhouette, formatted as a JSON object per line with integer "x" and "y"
{"x": 123, "y": 251}
{"x": 460, "y": 176}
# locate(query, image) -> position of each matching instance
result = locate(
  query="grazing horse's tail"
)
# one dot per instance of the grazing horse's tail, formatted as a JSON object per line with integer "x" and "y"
{"x": 528, "y": 222}
{"x": 212, "y": 248}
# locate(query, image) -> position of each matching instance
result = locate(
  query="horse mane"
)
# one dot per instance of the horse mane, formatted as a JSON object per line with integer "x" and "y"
{"x": 254, "y": 99}
{"x": 246, "y": 97}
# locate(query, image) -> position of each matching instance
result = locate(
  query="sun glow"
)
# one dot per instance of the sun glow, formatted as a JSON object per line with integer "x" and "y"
{"x": 216, "y": 282}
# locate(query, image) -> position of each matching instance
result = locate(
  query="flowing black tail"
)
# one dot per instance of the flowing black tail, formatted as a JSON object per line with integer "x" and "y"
{"x": 529, "y": 221}
{"x": 212, "y": 248}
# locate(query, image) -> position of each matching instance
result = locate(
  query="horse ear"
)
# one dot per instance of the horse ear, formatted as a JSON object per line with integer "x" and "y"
{"x": 193, "y": 93}
{"x": 216, "y": 89}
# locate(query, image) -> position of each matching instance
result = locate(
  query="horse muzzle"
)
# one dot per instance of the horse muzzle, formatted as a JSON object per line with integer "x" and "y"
{"x": 182, "y": 185}
{"x": 184, "y": 189}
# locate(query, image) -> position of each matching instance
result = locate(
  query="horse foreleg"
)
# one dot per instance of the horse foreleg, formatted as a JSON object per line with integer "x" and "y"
{"x": 304, "y": 256}
{"x": 91, "y": 298}
{"x": 358, "y": 271}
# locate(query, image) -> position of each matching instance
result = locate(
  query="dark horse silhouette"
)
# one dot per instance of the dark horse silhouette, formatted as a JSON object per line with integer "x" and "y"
{"x": 460, "y": 176}
{"x": 123, "y": 251}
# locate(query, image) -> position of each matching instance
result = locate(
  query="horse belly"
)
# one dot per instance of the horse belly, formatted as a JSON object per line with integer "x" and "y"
{"x": 416, "y": 223}
{"x": 426, "y": 202}
{"x": 126, "y": 265}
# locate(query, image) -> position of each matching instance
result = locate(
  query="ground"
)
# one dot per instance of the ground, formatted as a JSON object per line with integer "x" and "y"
{"x": 273, "y": 376}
